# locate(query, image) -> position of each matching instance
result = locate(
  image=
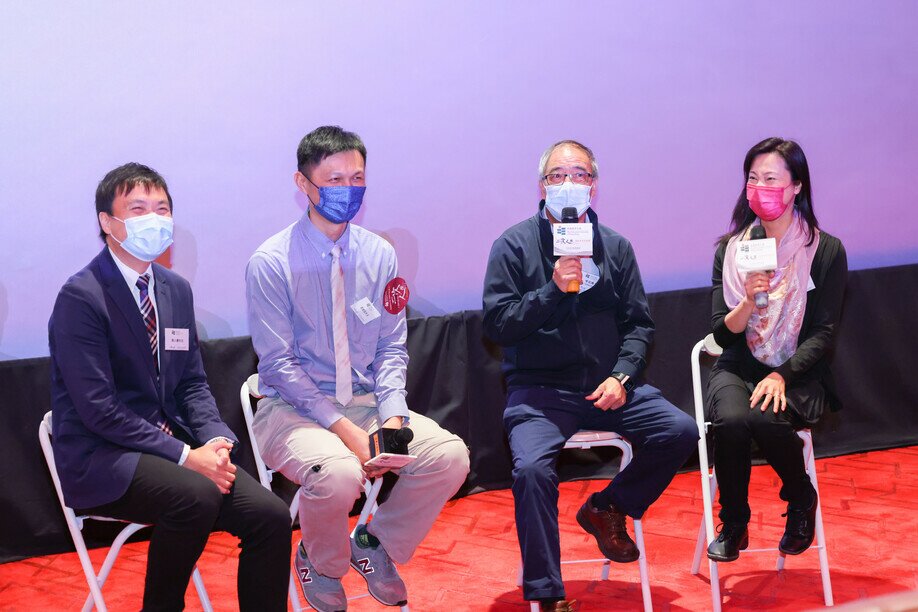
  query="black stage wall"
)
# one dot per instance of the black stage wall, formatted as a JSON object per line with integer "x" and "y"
{"x": 454, "y": 377}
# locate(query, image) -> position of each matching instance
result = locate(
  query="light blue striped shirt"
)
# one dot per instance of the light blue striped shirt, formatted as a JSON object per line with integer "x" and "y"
{"x": 288, "y": 289}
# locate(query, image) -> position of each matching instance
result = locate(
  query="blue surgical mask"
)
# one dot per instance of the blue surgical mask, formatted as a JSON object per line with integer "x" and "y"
{"x": 559, "y": 197}
{"x": 148, "y": 236}
{"x": 340, "y": 204}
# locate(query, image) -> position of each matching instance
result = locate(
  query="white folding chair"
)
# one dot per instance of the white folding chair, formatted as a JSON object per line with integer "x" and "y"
{"x": 706, "y": 533}
{"x": 583, "y": 440}
{"x": 75, "y": 525}
{"x": 371, "y": 488}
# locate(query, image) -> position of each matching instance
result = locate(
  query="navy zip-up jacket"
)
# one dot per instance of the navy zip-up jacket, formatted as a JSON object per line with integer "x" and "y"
{"x": 561, "y": 340}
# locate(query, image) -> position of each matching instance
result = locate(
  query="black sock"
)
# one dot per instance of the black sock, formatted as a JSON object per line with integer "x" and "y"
{"x": 364, "y": 538}
{"x": 602, "y": 500}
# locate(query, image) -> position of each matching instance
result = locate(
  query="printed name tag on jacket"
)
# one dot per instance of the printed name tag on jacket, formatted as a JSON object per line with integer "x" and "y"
{"x": 176, "y": 339}
{"x": 365, "y": 310}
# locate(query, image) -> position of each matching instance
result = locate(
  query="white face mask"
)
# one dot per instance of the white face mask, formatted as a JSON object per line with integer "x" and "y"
{"x": 148, "y": 236}
{"x": 559, "y": 197}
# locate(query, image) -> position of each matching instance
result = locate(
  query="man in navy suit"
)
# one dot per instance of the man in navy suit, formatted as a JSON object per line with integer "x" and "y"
{"x": 137, "y": 434}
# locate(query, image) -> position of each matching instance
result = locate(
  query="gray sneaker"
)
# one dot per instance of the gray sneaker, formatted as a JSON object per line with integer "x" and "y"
{"x": 382, "y": 578}
{"x": 323, "y": 593}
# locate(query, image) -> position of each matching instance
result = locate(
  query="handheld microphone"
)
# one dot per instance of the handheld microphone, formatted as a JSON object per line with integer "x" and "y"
{"x": 761, "y": 298}
{"x": 569, "y": 215}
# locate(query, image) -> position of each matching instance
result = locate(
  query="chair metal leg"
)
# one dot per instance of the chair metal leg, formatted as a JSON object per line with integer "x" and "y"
{"x": 293, "y": 593}
{"x": 95, "y": 591}
{"x": 642, "y": 565}
{"x": 201, "y": 590}
{"x": 821, "y": 544}
{"x": 627, "y": 455}
{"x": 110, "y": 558}
{"x": 712, "y": 565}
{"x": 699, "y": 548}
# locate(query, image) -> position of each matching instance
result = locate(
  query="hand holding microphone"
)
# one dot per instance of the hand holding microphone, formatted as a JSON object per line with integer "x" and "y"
{"x": 388, "y": 450}
{"x": 757, "y": 283}
{"x": 568, "y": 274}
{"x": 572, "y": 240}
{"x": 569, "y": 215}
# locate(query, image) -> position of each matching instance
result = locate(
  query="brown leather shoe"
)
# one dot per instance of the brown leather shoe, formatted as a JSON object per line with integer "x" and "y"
{"x": 558, "y": 606}
{"x": 608, "y": 527}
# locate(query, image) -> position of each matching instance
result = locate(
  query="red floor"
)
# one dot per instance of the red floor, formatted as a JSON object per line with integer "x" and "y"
{"x": 469, "y": 560}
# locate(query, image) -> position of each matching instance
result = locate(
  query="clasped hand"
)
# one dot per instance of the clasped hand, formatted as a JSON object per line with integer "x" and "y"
{"x": 213, "y": 461}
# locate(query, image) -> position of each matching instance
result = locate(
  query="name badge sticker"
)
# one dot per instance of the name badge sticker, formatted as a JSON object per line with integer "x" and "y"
{"x": 365, "y": 310}
{"x": 176, "y": 339}
{"x": 590, "y": 273}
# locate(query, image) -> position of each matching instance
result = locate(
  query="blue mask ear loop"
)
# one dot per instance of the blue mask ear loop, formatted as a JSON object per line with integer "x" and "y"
{"x": 307, "y": 195}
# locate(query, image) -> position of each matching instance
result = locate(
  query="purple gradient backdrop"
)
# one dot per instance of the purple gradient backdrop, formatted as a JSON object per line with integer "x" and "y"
{"x": 455, "y": 103}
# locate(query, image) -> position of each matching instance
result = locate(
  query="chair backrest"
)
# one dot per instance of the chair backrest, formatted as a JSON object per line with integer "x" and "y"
{"x": 248, "y": 391}
{"x": 44, "y": 438}
{"x": 708, "y": 346}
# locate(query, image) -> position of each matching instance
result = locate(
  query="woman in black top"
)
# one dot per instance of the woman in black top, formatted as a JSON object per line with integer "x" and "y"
{"x": 773, "y": 377}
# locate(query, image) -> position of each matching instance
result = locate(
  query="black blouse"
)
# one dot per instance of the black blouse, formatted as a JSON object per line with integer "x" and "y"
{"x": 829, "y": 273}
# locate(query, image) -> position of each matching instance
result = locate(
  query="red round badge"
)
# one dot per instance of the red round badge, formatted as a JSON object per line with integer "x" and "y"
{"x": 395, "y": 296}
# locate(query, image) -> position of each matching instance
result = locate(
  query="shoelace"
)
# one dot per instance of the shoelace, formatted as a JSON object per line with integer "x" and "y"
{"x": 734, "y": 531}
{"x": 798, "y": 520}
{"x": 617, "y": 520}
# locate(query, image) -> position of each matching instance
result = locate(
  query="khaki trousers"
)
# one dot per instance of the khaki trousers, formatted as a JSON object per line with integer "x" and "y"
{"x": 331, "y": 479}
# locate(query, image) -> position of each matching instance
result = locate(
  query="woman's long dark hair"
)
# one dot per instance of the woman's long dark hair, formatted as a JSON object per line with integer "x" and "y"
{"x": 795, "y": 160}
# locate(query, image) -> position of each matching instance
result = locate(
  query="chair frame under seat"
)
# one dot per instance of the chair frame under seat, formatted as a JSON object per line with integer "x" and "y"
{"x": 371, "y": 488}
{"x": 706, "y": 533}
{"x": 583, "y": 440}
{"x": 75, "y": 526}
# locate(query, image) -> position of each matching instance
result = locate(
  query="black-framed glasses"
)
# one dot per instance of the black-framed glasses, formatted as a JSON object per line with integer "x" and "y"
{"x": 556, "y": 178}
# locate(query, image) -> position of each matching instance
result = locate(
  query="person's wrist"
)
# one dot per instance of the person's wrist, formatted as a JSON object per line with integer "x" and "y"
{"x": 626, "y": 381}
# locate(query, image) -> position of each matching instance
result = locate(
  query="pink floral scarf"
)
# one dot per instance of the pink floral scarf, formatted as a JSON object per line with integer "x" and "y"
{"x": 772, "y": 335}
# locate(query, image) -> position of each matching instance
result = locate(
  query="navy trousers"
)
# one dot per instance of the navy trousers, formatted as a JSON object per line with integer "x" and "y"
{"x": 539, "y": 420}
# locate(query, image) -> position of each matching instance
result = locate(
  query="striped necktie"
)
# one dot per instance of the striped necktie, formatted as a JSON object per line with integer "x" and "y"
{"x": 149, "y": 316}
{"x": 149, "y": 321}
{"x": 343, "y": 390}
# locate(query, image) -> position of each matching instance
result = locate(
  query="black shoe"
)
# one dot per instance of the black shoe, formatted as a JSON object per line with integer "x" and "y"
{"x": 733, "y": 537}
{"x": 800, "y": 529}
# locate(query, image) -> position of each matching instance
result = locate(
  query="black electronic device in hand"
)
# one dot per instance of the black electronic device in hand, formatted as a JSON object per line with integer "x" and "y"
{"x": 389, "y": 448}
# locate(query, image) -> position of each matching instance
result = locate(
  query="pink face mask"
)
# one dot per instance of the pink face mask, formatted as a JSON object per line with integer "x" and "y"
{"x": 766, "y": 202}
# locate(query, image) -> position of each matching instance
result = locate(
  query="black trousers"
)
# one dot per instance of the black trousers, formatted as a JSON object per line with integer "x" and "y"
{"x": 736, "y": 425}
{"x": 184, "y": 507}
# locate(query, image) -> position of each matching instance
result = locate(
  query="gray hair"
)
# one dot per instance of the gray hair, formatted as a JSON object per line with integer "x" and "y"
{"x": 543, "y": 161}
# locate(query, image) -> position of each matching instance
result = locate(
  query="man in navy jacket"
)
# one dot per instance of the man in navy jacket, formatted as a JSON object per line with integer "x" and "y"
{"x": 571, "y": 362}
{"x": 136, "y": 431}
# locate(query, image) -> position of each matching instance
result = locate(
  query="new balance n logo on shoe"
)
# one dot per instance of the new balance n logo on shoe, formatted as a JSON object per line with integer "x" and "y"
{"x": 364, "y": 566}
{"x": 304, "y": 575}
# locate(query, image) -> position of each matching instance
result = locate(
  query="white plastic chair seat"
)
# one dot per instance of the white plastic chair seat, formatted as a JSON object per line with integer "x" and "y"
{"x": 585, "y": 439}
{"x": 709, "y": 489}
{"x": 371, "y": 488}
{"x": 75, "y": 526}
